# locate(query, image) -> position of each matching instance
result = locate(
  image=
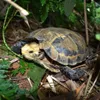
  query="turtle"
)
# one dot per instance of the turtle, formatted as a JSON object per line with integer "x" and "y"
{"x": 55, "y": 48}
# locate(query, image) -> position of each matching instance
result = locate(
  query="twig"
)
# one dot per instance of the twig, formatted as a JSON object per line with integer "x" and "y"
{"x": 14, "y": 60}
{"x": 18, "y": 78}
{"x": 89, "y": 80}
{"x": 60, "y": 83}
{"x": 94, "y": 83}
{"x": 29, "y": 82}
{"x": 79, "y": 66}
{"x": 22, "y": 78}
{"x": 25, "y": 12}
{"x": 80, "y": 88}
{"x": 21, "y": 10}
{"x": 86, "y": 24}
{"x": 51, "y": 83}
{"x": 95, "y": 86}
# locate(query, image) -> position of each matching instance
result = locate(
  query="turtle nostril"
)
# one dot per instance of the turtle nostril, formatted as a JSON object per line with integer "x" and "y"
{"x": 30, "y": 51}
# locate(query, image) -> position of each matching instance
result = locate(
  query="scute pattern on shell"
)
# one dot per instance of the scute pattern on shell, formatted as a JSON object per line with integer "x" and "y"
{"x": 62, "y": 45}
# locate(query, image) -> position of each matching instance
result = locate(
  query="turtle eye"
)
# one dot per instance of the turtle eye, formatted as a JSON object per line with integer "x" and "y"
{"x": 30, "y": 51}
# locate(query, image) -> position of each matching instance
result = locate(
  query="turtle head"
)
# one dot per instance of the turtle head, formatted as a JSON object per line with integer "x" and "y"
{"x": 31, "y": 51}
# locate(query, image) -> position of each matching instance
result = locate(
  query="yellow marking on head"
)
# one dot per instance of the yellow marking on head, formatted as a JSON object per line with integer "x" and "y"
{"x": 30, "y": 51}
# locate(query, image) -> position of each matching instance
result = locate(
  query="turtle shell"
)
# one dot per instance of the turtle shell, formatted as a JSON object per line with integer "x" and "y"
{"x": 61, "y": 45}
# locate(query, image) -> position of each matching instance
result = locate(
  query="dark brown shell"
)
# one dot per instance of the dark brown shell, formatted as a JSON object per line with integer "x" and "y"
{"x": 62, "y": 45}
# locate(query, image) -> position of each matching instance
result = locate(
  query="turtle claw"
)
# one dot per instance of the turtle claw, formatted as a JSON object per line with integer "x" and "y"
{"x": 73, "y": 74}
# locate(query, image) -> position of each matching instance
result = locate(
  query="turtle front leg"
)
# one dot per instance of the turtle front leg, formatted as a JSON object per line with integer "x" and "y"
{"x": 46, "y": 64}
{"x": 72, "y": 74}
{"x": 49, "y": 67}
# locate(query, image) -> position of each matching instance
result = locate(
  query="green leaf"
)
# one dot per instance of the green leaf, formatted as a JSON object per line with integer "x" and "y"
{"x": 97, "y": 21}
{"x": 68, "y": 6}
{"x": 4, "y": 64}
{"x": 23, "y": 66}
{"x": 73, "y": 18}
{"x": 97, "y": 36}
{"x": 79, "y": 6}
{"x": 8, "y": 89}
{"x": 4, "y": 86}
{"x": 97, "y": 17}
{"x": 15, "y": 72}
{"x": 21, "y": 69}
{"x": 98, "y": 12}
{"x": 11, "y": 91}
{"x": 3, "y": 71}
{"x": 36, "y": 74}
{"x": 44, "y": 13}
{"x": 2, "y": 76}
{"x": 61, "y": 8}
{"x": 43, "y": 2}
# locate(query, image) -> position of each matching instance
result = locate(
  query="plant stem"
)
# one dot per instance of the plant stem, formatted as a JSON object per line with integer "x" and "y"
{"x": 86, "y": 23}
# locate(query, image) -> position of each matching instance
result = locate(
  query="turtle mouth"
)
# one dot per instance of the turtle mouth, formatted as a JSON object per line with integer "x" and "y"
{"x": 33, "y": 56}
{"x": 41, "y": 55}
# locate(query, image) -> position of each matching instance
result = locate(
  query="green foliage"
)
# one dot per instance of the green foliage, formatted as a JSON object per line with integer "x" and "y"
{"x": 43, "y": 2}
{"x": 68, "y": 6}
{"x": 97, "y": 17}
{"x": 97, "y": 21}
{"x": 97, "y": 36}
{"x": 50, "y": 6}
{"x": 35, "y": 73}
{"x": 73, "y": 18}
{"x": 24, "y": 3}
{"x": 23, "y": 67}
{"x": 98, "y": 12}
{"x": 44, "y": 13}
{"x": 4, "y": 65}
{"x": 79, "y": 6}
{"x": 54, "y": 11}
{"x": 8, "y": 90}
